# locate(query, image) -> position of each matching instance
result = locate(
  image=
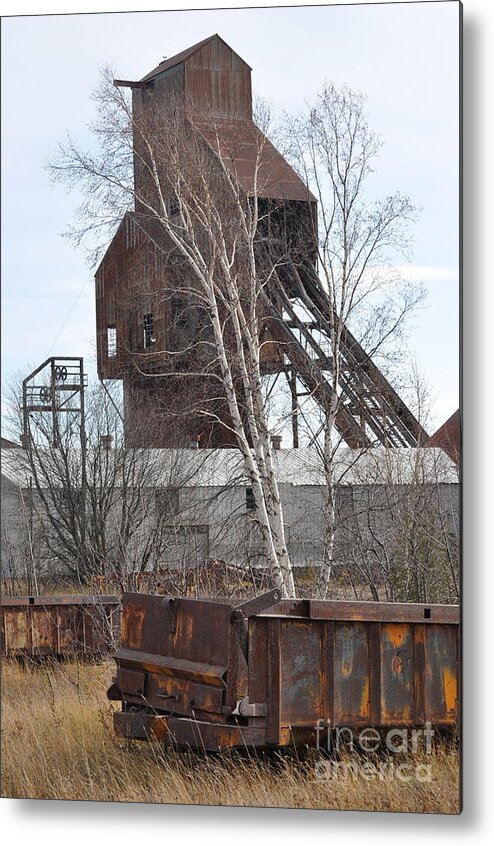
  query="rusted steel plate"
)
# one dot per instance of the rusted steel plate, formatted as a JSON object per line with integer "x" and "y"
{"x": 16, "y": 630}
{"x": 44, "y": 629}
{"x": 163, "y": 693}
{"x": 140, "y": 725}
{"x": 168, "y": 666}
{"x": 352, "y": 673}
{"x": 351, "y": 704}
{"x": 65, "y": 599}
{"x": 184, "y": 697}
{"x": 397, "y": 673}
{"x": 257, "y": 666}
{"x": 290, "y": 608}
{"x": 70, "y": 629}
{"x": 179, "y": 628}
{"x": 273, "y": 661}
{"x": 386, "y": 612}
{"x": 132, "y": 682}
{"x": 236, "y": 677}
{"x": 441, "y": 680}
{"x": 300, "y": 672}
{"x": 256, "y": 605}
{"x": 208, "y": 737}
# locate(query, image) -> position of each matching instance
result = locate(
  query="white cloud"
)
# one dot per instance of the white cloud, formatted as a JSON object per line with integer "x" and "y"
{"x": 427, "y": 273}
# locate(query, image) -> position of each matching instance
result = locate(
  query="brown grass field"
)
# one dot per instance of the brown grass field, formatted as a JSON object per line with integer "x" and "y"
{"x": 58, "y": 743}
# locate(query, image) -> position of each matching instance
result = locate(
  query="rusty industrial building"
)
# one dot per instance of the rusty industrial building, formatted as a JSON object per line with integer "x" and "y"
{"x": 145, "y": 326}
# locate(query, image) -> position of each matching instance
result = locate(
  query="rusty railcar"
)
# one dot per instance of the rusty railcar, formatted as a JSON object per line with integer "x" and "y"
{"x": 210, "y": 675}
{"x": 36, "y": 626}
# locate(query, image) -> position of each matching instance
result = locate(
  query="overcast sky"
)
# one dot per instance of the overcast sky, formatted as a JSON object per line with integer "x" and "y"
{"x": 404, "y": 57}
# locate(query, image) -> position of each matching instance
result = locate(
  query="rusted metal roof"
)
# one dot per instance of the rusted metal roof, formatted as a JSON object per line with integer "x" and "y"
{"x": 166, "y": 64}
{"x": 249, "y": 154}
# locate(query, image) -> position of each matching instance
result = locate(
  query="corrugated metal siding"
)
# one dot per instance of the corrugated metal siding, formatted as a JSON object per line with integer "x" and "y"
{"x": 211, "y": 76}
{"x": 170, "y": 84}
{"x": 365, "y": 513}
{"x": 218, "y": 80}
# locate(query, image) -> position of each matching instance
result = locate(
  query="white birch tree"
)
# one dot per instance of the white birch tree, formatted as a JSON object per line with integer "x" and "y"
{"x": 188, "y": 193}
{"x": 334, "y": 149}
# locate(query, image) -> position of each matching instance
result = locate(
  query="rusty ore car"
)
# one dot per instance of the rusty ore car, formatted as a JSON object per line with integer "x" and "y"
{"x": 60, "y": 626}
{"x": 211, "y": 675}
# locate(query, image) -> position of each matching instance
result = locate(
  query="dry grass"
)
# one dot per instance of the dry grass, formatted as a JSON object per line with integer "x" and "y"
{"x": 57, "y": 742}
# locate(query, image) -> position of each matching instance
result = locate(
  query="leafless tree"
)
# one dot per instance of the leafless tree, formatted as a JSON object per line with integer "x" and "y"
{"x": 400, "y": 540}
{"x": 105, "y": 512}
{"x": 334, "y": 149}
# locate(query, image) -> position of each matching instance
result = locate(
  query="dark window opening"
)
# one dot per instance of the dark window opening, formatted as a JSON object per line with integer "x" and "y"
{"x": 290, "y": 227}
{"x": 167, "y": 502}
{"x": 344, "y": 503}
{"x": 111, "y": 341}
{"x": 190, "y": 327}
{"x": 131, "y": 234}
{"x": 149, "y": 340}
{"x": 250, "y": 500}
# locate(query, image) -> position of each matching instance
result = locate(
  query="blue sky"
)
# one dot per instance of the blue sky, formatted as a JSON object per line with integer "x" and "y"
{"x": 404, "y": 57}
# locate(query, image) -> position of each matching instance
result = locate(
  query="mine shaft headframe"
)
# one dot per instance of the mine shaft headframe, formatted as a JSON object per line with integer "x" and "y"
{"x": 55, "y": 388}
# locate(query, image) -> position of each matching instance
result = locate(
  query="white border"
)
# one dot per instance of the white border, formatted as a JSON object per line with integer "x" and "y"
{"x": 77, "y": 822}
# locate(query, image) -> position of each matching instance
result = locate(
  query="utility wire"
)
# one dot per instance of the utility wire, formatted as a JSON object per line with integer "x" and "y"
{"x": 68, "y": 316}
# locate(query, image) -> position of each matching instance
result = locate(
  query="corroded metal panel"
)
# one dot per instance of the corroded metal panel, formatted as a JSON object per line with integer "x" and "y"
{"x": 300, "y": 682}
{"x": 207, "y": 737}
{"x": 184, "y": 697}
{"x": 257, "y": 667}
{"x": 167, "y": 665}
{"x": 248, "y": 155}
{"x": 64, "y": 599}
{"x": 59, "y": 625}
{"x": 70, "y": 628}
{"x": 140, "y": 725}
{"x": 441, "y": 675}
{"x": 351, "y": 675}
{"x": 388, "y": 612}
{"x": 44, "y": 629}
{"x": 397, "y": 675}
{"x": 16, "y": 630}
{"x": 179, "y": 628}
{"x": 218, "y": 81}
{"x": 183, "y": 649}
